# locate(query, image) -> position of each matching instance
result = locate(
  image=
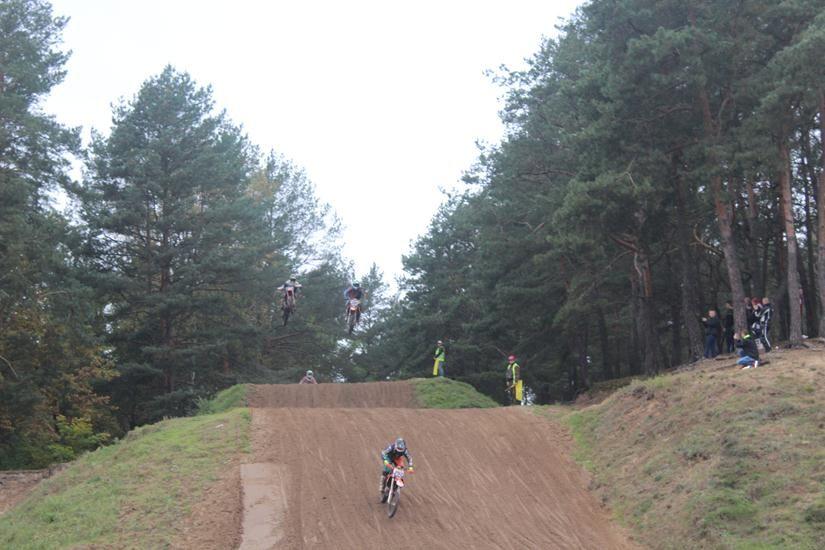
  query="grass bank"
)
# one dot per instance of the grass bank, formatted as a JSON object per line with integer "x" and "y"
{"x": 139, "y": 489}
{"x": 443, "y": 393}
{"x": 716, "y": 457}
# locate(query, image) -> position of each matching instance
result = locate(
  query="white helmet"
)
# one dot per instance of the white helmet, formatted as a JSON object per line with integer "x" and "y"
{"x": 309, "y": 373}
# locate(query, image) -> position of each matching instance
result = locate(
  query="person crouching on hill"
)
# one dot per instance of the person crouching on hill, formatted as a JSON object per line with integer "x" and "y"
{"x": 748, "y": 350}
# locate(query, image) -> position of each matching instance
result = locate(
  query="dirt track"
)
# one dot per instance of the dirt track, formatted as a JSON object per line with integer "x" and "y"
{"x": 495, "y": 478}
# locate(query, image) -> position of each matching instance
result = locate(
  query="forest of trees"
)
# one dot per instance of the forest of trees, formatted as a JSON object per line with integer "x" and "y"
{"x": 154, "y": 283}
{"x": 660, "y": 158}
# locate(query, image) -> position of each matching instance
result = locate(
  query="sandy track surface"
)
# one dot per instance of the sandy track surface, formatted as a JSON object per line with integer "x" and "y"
{"x": 370, "y": 395}
{"x": 495, "y": 478}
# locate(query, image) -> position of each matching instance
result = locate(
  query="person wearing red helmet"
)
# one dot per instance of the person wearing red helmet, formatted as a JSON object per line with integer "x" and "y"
{"x": 513, "y": 380}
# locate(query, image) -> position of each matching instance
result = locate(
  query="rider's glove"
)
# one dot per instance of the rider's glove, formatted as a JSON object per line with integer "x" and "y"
{"x": 387, "y": 463}
{"x": 410, "y": 469}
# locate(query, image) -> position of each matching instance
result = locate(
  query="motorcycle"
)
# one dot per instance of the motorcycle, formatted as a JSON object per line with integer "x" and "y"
{"x": 353, "y": 313}
{"x": 394, "y": 482}
{"x": 288, "y": 303}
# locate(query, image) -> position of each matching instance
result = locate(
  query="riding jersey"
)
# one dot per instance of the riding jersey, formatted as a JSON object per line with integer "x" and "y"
{"x": 353, "y": 293}
{"x": 391, "y": 455}
{"x": 308, "y": 380}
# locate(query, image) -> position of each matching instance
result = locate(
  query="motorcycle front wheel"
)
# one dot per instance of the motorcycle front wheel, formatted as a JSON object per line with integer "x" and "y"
{"x": 392, "y": 502}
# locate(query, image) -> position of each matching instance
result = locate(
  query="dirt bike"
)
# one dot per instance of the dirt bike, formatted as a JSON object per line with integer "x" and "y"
{"x": 353, "y": 312}
{"x": 393, "y": 484}
{"x": 288, "y": 303}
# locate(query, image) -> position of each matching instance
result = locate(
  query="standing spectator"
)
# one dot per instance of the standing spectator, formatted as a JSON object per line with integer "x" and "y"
{"x": 438, "y": 359}
{"x": 755, "y": 326}
{"x": 513, "y": 380}
{"x": 765, "y": 314}
{"x": 750, "y": 318}
{"x": 712, "y": 327}
{"x": 748, "y": 350}
{"x": 728, "y": 346}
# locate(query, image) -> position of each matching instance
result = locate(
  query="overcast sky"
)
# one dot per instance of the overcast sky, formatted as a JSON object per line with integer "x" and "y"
{"x": 380, "y": 102}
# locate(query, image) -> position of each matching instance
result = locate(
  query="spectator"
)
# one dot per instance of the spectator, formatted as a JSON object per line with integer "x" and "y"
{"x": 748, "y": 350}
{"x": 728, "y": 345}
{"x": 750, "y": 318}
{"x": 765, "y": 314}
{"x": 712, "y": 327}
{"x": 438, "y": 359}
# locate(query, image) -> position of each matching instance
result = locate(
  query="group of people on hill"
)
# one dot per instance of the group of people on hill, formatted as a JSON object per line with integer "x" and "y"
{"x": 721, "y": 336}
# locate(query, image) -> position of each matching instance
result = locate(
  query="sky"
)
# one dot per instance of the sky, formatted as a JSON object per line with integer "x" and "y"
{"x": 380, "y": 102}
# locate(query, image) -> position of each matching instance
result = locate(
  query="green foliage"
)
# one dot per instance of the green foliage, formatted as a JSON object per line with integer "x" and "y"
{"x": 50, "y": 356}
{"x": 138, "y": 489}
{"x": 588, "y": 241}
{"x": 443, "y": 393}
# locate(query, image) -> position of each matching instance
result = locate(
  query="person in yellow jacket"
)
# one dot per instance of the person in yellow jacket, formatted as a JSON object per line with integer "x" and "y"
{"x": 438, "y": 359}
{"x": 513, "y": 379}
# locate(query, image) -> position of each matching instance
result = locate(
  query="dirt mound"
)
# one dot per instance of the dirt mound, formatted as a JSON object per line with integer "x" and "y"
{"x": 369, "y": 395}
{"x": 493, "y": 478}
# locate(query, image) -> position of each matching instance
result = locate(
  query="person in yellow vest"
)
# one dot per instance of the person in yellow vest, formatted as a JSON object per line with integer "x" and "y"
{"x": 438, "y": 359}
{"x": 513, "y": 379}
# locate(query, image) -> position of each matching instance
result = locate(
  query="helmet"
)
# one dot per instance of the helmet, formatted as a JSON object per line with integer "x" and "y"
{"x": 356, "y": 285}
{"x": 511, "y": 358}
{"x": 309, "y": 373}
{"x": 400, "y": 445}
{"x": 439, "y": 342}
{"x": 293, "y": 277}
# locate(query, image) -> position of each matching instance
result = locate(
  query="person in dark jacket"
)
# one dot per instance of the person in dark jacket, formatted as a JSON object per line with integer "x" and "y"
{"x": 765, "y": 314}
{"x": 728, "y": 345}
{"x": 748, "y": 350}
{"x": 712, "y": 328}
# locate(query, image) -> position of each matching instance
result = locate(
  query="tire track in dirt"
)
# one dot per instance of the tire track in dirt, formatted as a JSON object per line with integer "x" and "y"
{"x": 492, "y": 478}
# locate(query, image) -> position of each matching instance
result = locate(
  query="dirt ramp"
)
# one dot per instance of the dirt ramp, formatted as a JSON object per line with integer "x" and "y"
{"x": 484, "y": 479}
{"x": 367, "y": 395}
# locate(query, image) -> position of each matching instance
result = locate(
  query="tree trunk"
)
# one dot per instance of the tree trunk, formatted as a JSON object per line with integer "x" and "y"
{"x": 794, "y": 295}
{"x": 820, "y": 212}
{"x": 609, "y": 368}
{"x": 809, "y": 164}
{"x": 649, "y": 342}
{"x": 724, "y": 218}
{"x": 689, "y": 288}
{"x": 754, "y": 233}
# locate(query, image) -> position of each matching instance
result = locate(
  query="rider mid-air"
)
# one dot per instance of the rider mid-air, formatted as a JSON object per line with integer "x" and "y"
{"x": 354, "y": 292}
{"x": 293, "y": 284}
{"x": 392, "y": 457}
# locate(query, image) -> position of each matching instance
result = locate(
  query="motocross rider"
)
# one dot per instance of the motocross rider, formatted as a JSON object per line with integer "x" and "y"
{"x": 392, "y": 456}
{"x": 354, "y": 292}
{"x": 292, "y": 283}
{"x": 309, "y": 378}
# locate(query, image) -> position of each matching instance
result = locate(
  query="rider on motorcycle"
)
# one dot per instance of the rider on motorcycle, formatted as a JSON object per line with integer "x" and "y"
{"x": 291, "y": 283}
{"x": 354, "y": 292}
{"x": 309, "y": 378}
{"x": 391, "y": 456}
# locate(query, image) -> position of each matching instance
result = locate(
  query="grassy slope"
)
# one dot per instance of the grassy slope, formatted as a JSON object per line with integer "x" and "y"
{"x": 225, "y": 400}
{"x": 139, "y": 489}
{"x": 443, "y": 393}
{"x": 715, "y": 458}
